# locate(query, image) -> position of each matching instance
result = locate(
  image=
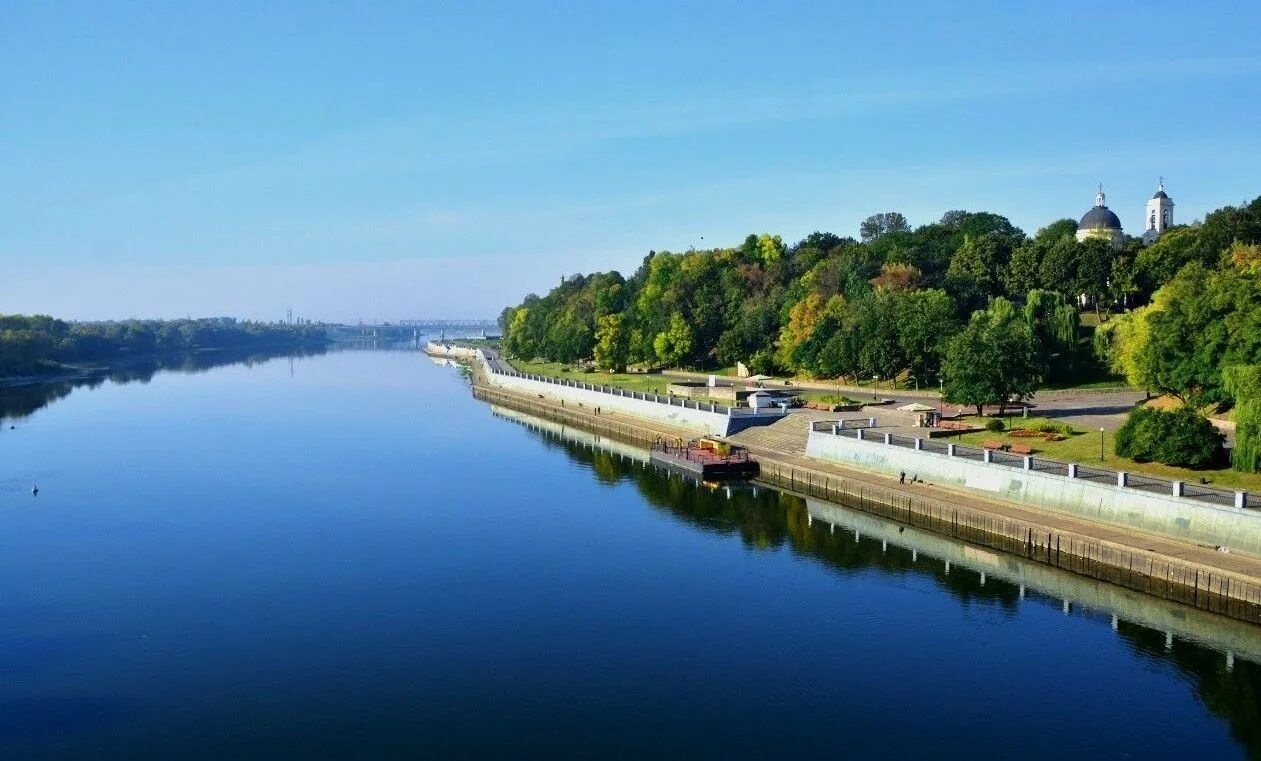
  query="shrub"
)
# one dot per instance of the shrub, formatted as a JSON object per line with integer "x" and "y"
{"x": 1182, "y": 437}
{"x": 995, "y": 425}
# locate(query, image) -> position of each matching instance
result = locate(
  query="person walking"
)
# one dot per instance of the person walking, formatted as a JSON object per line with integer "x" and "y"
{"x": 902, "y": 477}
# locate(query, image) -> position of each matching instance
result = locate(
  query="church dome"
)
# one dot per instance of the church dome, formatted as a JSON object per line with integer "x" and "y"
{"x": 1099, "y": 218}
{"x": 1159, "y": 194}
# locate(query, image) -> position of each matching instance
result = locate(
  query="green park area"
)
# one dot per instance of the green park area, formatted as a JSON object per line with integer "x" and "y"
{"x": 1091, "y": 447}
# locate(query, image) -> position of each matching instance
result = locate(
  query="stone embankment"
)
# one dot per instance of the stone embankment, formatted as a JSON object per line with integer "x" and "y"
{"x": 1187, "y": 512}
{"x": 451, "y": 351}
{"x": 1167, "y": 567}
{"x": 697, "y": 417}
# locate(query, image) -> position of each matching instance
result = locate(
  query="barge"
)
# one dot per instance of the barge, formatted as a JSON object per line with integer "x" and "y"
{"x": 707, "y": 459}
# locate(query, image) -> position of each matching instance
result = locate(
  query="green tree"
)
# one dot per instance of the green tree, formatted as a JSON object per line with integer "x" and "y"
{"x": 1244, "y": 383}
{"x": 924, "y": 320}
{"x": 993, "y": 360}
{"x": 1021, "y": 275}
{"x": 612, "y": 342}
{"x": 881, "y": 224}
{"x": 770, "y": 248}
{"x": 1055, "y": 324}
{"x": 1182, "y": 437}
{"x": 675, "y": 343}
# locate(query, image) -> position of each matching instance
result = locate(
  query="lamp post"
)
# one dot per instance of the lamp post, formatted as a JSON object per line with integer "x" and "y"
{"x": 1101, "y": 444}
{"x": 875, "y": 380}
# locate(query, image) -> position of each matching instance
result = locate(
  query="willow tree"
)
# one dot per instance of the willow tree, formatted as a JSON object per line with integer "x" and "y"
{"x": 1244, "y": 383}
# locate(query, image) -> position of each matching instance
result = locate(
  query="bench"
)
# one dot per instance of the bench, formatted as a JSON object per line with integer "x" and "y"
{"x": 1020, "y": 449}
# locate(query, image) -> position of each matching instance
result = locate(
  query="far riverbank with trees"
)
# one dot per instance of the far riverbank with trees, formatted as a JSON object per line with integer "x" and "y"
{"x": 36, "y": 349}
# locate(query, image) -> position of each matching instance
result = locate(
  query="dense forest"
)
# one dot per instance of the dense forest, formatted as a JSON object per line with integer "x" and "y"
{"x": 35, "y": 344}
{"x": 970, "y": 301}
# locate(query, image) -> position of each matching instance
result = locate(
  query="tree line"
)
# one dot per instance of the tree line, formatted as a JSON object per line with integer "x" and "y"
{"x": 34, "y": 344}
{"x": 969, "y": 301}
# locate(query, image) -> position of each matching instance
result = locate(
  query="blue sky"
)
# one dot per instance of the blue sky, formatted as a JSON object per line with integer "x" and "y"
{"x": 409, "y": 160}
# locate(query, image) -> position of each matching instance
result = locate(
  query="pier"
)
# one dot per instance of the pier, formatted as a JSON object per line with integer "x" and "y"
{"x": 707, "y": 459}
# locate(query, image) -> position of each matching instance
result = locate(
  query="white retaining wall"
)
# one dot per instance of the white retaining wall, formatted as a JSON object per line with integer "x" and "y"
{"x": 450, "y": 350}
{"x": 702, "y": 417}
{"x": 1235, "y": 528}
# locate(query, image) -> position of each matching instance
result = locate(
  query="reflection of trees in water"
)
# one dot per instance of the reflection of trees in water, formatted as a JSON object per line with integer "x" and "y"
{"x": 1233, "y": 694}
{"x": 21, "y": 401}
{"x": 766, "y": 518}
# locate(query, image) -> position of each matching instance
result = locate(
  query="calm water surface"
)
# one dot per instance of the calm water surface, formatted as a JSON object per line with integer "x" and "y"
{"x": 347, "y": 556}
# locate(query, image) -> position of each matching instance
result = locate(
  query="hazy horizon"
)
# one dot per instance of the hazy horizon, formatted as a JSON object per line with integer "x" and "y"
{"x": 399, "y": 162}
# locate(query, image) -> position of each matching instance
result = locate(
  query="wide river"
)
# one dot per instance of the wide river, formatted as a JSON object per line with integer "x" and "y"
{"x": 346, "y": 555}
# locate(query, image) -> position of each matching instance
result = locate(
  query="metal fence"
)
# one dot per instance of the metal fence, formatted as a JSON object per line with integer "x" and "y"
{"x": 1006, "y": 459}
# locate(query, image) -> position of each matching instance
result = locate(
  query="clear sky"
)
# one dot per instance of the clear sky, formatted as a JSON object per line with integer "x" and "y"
{"x": 384, "y": 160}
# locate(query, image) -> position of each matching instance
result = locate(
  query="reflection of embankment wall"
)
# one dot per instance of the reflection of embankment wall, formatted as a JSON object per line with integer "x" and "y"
{"x": 570, "y": 433}
{"x": 1217, "y": 632}
{"x": 1178, "y": 518}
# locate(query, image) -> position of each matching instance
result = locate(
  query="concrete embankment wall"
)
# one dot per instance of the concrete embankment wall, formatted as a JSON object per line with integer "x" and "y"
{"x": 711, "y": 419}
{"x": 1238, "y": 529}
{"x": 433, "y": 348}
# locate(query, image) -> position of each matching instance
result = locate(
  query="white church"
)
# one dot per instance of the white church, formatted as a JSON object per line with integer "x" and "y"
{"x": 1101, "y": 222}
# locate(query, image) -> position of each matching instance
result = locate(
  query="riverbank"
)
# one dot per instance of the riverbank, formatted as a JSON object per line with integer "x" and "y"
{"x": 86, "y": 372}
{"x": 1190, "y": 573}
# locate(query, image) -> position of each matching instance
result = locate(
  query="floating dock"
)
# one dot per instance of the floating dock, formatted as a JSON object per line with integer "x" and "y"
{"x": 707, "y": 459}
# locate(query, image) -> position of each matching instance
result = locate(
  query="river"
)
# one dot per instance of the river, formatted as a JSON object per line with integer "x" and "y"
{"x": 345, "y": 555}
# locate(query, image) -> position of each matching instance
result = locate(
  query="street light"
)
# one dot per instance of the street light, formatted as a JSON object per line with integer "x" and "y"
{"x": 1101, "y": 444}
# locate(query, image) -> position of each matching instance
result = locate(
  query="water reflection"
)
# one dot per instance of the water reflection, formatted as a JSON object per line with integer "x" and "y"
{"x": 17, "y": 402}
{"x": 1218, "y": 655}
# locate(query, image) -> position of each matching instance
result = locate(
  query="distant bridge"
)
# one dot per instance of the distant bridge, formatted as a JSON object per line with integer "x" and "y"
{"x": 433, "y": 323}
{"x": 412, "y": 328}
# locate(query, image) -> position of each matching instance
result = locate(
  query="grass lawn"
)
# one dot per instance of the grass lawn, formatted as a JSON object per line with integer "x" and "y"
{"x": 824, "y": 397}
{"x": 1083, "y": 447}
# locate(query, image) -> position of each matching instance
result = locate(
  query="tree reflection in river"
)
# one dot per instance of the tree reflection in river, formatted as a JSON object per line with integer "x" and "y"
{"x": 17, "y": 402}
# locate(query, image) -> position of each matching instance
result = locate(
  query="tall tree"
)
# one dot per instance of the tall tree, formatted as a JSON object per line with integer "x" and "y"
{"x": 993, "y": 360}
{"x": 612, "y": 342}
{"x": 675, "y": 343}
{"x": 881, "y": 224}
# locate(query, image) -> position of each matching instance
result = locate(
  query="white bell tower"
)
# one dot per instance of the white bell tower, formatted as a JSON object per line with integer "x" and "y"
{"x": 1159, "y": 216}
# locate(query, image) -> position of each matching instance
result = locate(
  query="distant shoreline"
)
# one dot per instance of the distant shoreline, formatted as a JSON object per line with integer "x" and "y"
{"x": 81, "y": 372}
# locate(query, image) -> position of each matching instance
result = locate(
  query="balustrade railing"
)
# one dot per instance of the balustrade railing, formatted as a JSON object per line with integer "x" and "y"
{"x": 865, "y": 430}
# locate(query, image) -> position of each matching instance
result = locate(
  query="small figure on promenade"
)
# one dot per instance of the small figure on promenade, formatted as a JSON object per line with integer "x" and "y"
{"x": 902, "y": 477}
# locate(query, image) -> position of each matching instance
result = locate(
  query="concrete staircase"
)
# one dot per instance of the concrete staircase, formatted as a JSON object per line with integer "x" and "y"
{"x": 787, "y": 435}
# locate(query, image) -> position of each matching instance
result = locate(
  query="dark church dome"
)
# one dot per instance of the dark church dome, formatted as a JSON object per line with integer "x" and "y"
{"x": 1099, "y": 218}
